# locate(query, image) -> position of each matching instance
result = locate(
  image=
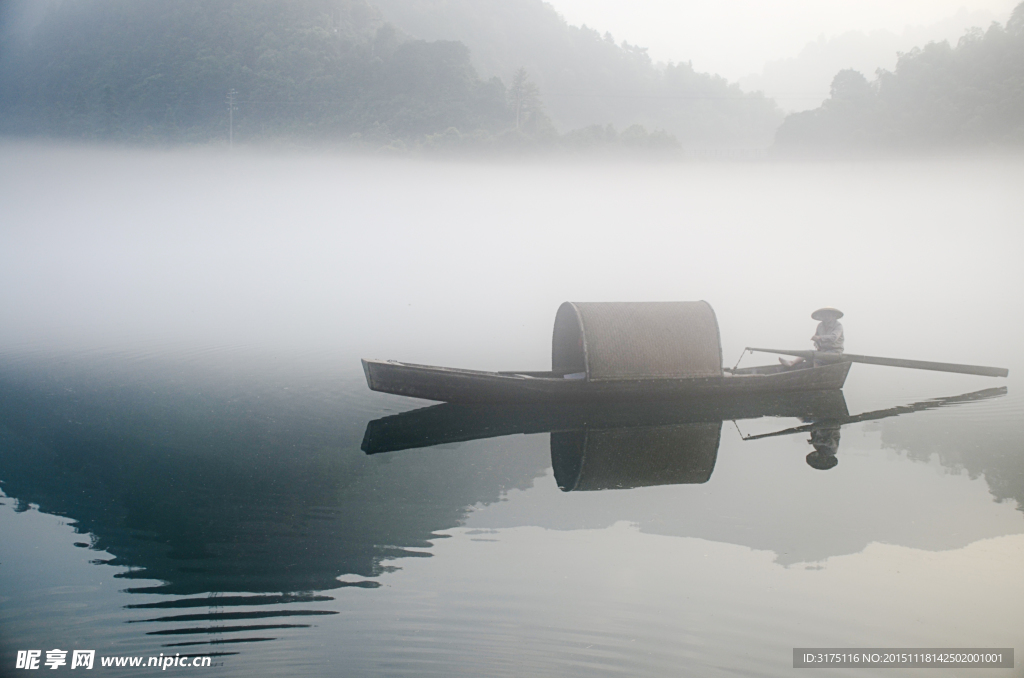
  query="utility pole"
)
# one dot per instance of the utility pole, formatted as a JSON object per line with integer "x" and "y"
{"x": 231, "y": 117}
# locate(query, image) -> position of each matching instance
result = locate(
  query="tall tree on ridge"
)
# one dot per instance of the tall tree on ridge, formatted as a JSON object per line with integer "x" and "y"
{"x": 524, "y": 98}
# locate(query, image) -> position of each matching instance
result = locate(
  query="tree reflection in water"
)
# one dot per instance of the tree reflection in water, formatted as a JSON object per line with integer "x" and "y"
{"x": 238, "y": 509}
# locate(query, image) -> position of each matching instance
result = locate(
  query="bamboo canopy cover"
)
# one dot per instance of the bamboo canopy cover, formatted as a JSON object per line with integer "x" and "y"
{"x": 611, "y": 341}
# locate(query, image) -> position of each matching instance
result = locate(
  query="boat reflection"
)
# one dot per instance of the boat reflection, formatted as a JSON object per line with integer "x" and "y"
{"x": 606, "y": 447}
{"x": 453, "y": 423}
{"x": 623, "y": 447}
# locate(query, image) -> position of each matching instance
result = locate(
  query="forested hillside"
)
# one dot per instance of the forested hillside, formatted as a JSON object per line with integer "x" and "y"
{"x": 938, "y": 96}
{"x": 162, "y": 70}
{"x": 455, "y": 74}
{"x": 586, "y": 78}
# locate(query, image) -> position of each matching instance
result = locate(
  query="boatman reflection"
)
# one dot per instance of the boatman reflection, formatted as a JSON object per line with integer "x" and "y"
{"x": 826, "y": 443}
{"x": 828, "y": 338}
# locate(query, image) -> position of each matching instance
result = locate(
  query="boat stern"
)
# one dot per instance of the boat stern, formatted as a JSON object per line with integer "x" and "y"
{"x": 368, "y": 371}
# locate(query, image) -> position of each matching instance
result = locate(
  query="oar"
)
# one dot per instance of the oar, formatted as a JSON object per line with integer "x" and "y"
{"x": 890, "y": 362}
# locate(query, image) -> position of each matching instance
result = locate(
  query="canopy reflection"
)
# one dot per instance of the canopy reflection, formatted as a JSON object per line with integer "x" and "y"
{"x": 624, "y": 458}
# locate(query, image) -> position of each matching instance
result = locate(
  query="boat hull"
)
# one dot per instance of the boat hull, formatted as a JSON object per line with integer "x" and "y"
{"x": 445, "y": 384}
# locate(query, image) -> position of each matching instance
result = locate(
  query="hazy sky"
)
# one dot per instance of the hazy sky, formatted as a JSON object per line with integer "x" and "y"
{"x": 736, "y": 37}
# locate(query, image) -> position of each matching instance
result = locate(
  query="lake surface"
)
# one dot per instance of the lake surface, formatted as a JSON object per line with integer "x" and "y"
{"x": 183, "y": 416}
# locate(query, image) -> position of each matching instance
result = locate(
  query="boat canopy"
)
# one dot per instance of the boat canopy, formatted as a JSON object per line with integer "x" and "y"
{"x": 624, "y": 458}
{"x": 609, "y": 341}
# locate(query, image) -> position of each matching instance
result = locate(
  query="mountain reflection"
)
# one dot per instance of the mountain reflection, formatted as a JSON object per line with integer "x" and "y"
{"x": 234, "y": 505}
{"x": 240, "y": 506}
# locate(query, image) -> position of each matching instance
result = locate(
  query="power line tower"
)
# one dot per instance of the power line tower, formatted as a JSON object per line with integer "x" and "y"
{"x": 231, "y": 116}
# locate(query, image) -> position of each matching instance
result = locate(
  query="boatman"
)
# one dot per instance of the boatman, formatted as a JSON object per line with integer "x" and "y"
{"x": 828, "y": 338}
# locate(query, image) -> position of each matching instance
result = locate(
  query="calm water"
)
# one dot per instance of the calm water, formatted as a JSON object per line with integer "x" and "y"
{"x": 182, "y": 416}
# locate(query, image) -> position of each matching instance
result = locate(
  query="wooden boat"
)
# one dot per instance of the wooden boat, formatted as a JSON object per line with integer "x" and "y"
{"x": 612, "y": 352}
{"x": 452, "y": 385}
{"x": 629, "y": 351}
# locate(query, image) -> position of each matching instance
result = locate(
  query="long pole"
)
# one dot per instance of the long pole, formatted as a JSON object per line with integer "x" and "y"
{"x": 822, "y": 357}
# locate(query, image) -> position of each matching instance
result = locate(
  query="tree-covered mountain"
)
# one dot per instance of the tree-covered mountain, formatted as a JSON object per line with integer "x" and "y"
{"x": 939, "y": 96}
{"x": 455, "y": 74}
{"x": 586, "y": 78}
{"x": 801, "y": 82}
{"x": 162, "y": 70}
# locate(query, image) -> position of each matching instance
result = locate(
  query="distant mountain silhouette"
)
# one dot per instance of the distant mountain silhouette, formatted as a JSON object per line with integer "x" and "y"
{"x": 801, "y": 83}
{"x": 586, "y": 78}
{"x": 336, "y": 70}
{"x": 937, "y": 97}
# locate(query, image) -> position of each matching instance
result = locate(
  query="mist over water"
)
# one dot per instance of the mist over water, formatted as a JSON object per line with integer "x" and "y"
{"x": 182, "y": 410}
{"x": 434, "y": 261}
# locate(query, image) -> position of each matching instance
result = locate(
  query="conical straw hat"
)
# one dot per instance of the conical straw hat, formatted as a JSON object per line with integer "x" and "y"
{"x": 820, "y": 313}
